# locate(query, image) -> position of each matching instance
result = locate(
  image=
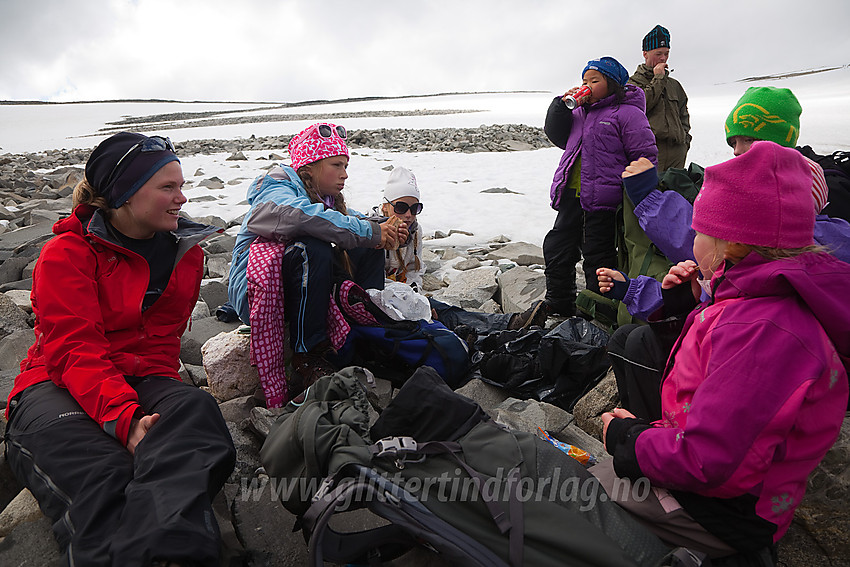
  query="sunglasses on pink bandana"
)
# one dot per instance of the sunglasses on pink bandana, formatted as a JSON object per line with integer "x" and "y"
{"x": 324, "y": 131}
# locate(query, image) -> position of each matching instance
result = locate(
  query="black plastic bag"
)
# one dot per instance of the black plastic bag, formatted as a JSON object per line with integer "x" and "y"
{"x": 557, "y": 367}
{"x": 573, "y": 359}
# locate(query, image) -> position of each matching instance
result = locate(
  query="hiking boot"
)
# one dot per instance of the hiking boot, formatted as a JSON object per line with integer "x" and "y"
{"x": 467, "y": 334}
{"x": 561, "y": 307}
{"x": 308, "y": 367}
{"x": 534, "y": 316}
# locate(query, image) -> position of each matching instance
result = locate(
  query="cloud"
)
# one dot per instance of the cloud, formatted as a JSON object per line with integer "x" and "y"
{"x": 291, "y": 50}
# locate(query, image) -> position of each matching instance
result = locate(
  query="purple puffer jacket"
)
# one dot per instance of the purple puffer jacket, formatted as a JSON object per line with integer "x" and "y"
{"x": 756, "y": 388}
{"x": 609, "y": 137}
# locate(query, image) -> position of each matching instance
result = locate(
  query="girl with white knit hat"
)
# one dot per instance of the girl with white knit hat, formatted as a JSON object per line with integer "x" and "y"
{"x": 401, "y": 200}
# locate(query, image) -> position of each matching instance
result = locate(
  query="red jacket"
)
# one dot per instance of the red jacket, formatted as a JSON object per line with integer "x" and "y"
{"x": 90, "y": 330}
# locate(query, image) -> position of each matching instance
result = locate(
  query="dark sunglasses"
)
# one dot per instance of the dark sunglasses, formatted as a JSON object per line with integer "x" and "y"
{"x": 400, "y": 207}
{"x": 325, "y": 131}
{"x": 151, "y": 144}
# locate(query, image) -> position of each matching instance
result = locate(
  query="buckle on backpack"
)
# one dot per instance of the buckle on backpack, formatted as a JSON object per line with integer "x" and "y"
{"x": 395, "y": 445}
{"x": 400, "y": 448}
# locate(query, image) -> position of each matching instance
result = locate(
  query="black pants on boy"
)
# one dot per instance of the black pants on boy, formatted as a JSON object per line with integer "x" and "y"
{"x": 598, "y": 246}
{"x": 109, "y": 507}
{"x": 561, "y": 252}
{"x": 310, "y": 269}
{"x": 577, "y": 233}
{"x": 638, "y": 358}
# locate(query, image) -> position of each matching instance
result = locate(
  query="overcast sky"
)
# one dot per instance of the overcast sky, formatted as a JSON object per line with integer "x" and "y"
{"x": 292, "y": 50}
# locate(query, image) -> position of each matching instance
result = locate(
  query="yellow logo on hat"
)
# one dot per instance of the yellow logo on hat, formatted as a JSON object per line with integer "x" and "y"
{"x": 756, "y": 117}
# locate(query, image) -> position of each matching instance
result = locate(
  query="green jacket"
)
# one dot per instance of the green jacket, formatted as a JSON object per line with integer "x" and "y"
{"x": 666, "y": 105}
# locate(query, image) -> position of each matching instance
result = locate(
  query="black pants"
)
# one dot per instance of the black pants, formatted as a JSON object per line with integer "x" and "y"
{"x": 561, "y": 252}
{"x": 598, "y": 246}
{"x": 577, "y": 233}
{"x": 109, "y": 507}
{"x": 310, "y": 269}
{"x": 638, "y": 358}
{"x": 482, "y": 323}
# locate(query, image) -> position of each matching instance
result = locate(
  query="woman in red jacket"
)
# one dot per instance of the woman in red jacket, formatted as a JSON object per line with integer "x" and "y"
{"x": 121, "y": 455}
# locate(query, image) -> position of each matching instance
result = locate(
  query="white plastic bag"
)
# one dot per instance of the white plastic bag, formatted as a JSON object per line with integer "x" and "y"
{"x": 400, "y": 302}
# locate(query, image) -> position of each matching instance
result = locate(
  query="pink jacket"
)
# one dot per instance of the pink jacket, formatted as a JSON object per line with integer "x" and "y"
{"x": 755, "y": 389}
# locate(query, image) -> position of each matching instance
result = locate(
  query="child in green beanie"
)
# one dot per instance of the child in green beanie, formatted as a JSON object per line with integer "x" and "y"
{"x": 764, "y": 113}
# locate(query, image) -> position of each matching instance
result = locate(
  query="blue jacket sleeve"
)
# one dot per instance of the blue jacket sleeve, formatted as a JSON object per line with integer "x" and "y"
{"x": 280, "y": 212}
{"x": 665, "y": 217}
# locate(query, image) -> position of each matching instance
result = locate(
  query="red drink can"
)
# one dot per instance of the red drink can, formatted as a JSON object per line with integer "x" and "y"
{"x": 572, "y": 101}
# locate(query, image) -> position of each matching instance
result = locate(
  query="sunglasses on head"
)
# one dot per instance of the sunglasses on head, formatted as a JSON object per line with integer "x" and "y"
{"x": 151, "y": 144}
{"x": 324, "y": 130}
{"x": 400, "y": 207}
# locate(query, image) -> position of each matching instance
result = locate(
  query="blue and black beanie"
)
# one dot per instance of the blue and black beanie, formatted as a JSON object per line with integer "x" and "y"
{"x": 657, "y": 37}
{"x": 609, "y": 67}
{"x": 116, "y": 169}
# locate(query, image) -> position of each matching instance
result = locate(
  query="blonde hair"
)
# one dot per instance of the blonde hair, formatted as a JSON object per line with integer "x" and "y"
{"x": 736, "y": 251}
{"x": 85, "y": 194}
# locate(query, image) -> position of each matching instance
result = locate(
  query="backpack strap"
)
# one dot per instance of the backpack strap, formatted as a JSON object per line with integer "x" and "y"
{"x": 412, "y": 523}
{"x": 325, "y": 543}
{"x": 425, "y": 352}
{"x": 403, "y": 447}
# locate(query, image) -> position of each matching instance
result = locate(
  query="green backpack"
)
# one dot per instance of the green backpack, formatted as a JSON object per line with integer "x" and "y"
{"x": 446, "y": 477}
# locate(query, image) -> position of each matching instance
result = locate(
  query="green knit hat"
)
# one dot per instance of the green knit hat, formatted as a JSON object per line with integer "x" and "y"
{"x": 766, "y": 113}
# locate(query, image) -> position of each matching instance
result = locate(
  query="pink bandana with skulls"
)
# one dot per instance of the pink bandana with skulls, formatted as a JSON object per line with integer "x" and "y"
{"x": 309, "y": 146}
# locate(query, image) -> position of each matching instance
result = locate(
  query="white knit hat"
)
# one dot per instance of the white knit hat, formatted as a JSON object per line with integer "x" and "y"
{"x": 402, "y": 183}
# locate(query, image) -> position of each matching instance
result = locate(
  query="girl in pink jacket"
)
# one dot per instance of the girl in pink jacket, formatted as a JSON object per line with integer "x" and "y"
{"x": 755, "y": 389}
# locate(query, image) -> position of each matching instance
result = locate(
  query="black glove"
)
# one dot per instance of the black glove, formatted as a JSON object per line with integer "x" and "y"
{"x": 640, "y": 185}
{"x": 619, "y": 289}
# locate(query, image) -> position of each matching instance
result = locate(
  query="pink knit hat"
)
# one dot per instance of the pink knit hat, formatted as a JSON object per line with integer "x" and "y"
{"x": 762, "y": 197}
{"x": 318, "y": 141}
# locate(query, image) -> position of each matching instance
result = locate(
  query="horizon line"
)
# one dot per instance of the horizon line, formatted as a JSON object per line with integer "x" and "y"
{"x": 284, "y": 104}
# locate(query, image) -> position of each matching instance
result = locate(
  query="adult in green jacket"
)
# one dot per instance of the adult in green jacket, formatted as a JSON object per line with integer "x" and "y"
{"x": 666, "y": 101}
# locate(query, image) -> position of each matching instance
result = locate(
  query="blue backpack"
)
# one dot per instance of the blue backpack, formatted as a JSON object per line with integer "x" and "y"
{"x": 395, "y": 349}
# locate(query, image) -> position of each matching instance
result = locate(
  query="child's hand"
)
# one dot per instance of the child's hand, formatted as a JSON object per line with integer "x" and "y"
{"x": 606, "y": 278}
{"x": 608, "y": 417}
{"x": 638, "y": 166}
{"x": 683, "y": 272}
{"x": 389, "y": 234}
{"x": 680, "y": 273}
{"x": 403, "y": 233}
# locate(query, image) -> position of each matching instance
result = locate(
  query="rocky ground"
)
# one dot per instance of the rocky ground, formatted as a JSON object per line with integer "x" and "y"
{"x": 498, "y": 275}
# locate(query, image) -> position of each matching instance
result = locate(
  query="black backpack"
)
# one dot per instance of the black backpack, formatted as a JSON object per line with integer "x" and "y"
{"x": 836, "y": 169}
